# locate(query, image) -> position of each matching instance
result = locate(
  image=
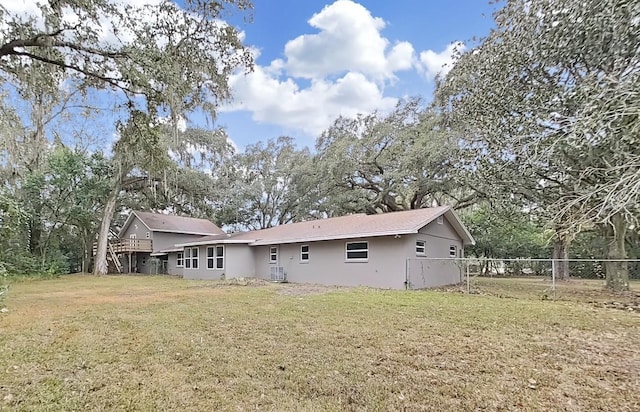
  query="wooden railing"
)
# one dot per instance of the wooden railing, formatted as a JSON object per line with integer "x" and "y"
{"x": 131, "y": 245}
{"x": 128, "y": 246}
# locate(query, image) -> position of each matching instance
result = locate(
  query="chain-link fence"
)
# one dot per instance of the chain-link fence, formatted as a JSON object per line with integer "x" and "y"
{"x": 518, "y": 278}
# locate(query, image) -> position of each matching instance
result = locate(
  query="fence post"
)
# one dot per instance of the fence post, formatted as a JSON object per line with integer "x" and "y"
{"x": 468, "y": 282}
{"x": 553, "y": 277}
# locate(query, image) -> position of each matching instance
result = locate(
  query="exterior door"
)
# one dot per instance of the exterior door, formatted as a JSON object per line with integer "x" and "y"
{"x": 273, "y": 255}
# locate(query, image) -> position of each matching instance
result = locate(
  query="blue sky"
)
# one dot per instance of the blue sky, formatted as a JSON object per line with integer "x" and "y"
{"x": 317, "y": 60}
{"x": 320, "y": 59}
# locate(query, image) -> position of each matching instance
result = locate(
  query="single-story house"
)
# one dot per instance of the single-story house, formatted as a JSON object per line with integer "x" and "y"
{"x": 409, "y": 249}
{"x": 146, "y": 240}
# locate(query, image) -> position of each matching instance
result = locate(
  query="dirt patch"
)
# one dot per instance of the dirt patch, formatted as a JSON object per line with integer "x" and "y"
{"x": 633, "y": 306}
{"x": 289, "y": 289}
{"x": 300, "y": 289}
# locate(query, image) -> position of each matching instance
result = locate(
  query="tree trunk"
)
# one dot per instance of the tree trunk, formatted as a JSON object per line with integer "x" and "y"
{"x": 100, "y": 266}
{"x": 561, "y": 256}
{"x": 617, "y": 271}
{"x": 87, "y": 240}
{"x": 35, "y": 234}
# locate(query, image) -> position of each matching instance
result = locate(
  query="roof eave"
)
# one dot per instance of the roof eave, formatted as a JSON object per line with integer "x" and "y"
{"x": 182, "y": 232}
{"x": 261, "y": 242}
{"x": 215, "y": 242}
{"x": 459, "y": 227}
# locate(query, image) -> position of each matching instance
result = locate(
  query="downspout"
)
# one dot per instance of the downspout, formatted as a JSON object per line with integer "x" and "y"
{"x": 406, "y": 274}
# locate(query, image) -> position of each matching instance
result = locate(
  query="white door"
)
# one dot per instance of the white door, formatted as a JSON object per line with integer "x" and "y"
{"x": 273, "y": 255}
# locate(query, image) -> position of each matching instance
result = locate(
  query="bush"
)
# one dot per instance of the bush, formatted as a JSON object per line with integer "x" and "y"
{"x": 15, "y": 263}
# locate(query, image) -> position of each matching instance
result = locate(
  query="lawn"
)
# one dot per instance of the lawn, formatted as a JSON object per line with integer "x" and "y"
{"x": 160, "y": 343}
{"x": 574, "y": 290}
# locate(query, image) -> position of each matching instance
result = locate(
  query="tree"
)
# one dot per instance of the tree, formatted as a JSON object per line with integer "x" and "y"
{"x": 76, "y": 189}
{"x": 163, "y": 59}
{"x": 552, "y": 93}
{"x": 273, "y": 188}
{"x": 139, "y": 151}
{"x": 383, "y": 163}
{"x": 504, "y": 233}
{"x": 198, "y": 179}
{"x": 174, "y": 57}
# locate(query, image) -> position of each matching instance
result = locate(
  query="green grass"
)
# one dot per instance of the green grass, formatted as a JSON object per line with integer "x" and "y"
{"x": 159, "y": 343}
{"x": 537, "y": 287}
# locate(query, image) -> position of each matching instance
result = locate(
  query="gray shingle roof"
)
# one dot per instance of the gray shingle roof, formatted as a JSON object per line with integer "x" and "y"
{"x": 176, "y": 224}
{"x": 346, "y": 227}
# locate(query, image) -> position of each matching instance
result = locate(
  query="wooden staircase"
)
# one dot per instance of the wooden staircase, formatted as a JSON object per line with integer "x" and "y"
{"x": 112, "y": 258}
{"x": 123, "y": 247}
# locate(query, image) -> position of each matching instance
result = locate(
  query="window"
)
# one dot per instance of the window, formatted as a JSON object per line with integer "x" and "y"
{"x": 180, "y": 260}
{"x": 273, "y": 255}
{"x": 147, "y": 235}
{"x": 191, "y": 258}
{"x": 219, "y": 257}
{"x": 210, "y": 257}
{"x": 304, "y": 253}
{"x": 421, "y": 248}
{"x": 440, "y": 220}
{"x": 215, "y": 257}
{"x": 453, "y": 251}
{"x": 357, "y": 251}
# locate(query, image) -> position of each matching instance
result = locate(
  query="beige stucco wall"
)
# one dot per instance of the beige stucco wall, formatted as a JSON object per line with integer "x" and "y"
{"x": 172, "y": 269}
{"x": 164, "y": 240}
{"x": 392, "y": 261}
{"x": 327, "y": 265}
{"x": 437, "y": 268}
{"x": 238, "y": 262}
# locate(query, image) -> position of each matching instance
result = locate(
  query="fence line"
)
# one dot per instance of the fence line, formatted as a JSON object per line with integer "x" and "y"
{"x": 508, "y": 276}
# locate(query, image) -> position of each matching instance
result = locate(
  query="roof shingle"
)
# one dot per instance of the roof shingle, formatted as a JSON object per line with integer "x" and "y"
{"x": 345, "y": 227}
{"x": 178, "y": 224}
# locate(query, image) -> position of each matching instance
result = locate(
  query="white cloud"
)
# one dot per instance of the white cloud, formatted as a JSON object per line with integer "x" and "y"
{"x": 433, "y": 63}
{"x": 310, "y": 109}
{"x": 347, "y": 65}
{"x": 349, "y": 39}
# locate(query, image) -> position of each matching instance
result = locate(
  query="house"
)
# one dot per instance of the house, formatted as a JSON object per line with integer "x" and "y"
{"x": 147, "y": 240}
{"x": 409, "y": 249}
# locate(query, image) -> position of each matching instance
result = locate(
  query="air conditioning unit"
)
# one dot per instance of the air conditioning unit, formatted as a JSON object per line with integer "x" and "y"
{"x": 277, "y": 274}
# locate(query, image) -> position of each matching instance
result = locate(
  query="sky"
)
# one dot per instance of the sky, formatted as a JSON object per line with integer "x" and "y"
{"x": 317, "y": 60}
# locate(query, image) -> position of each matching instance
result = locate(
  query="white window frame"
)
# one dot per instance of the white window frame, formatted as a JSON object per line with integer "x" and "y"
{"x": 453, "y": 251}
{"x": 440, "y": 220}
{"x": 273, "y": 252}
{"x": 421, "y": 247}
{"x": 190, "y": 259}
{"x": 220, "y": 256}
{"x": 180, "y": 258}
{"x": 304, "y": 256}
{"x": 217, "y": 255}
{"x": 147, "y": 235}
{"x": 358, "y": 259}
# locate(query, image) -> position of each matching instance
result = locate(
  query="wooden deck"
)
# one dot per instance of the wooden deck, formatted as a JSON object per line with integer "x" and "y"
{"x": 118, "y": 247}
{"x": 131, "y": 245}
{"x": 128, "y": 246}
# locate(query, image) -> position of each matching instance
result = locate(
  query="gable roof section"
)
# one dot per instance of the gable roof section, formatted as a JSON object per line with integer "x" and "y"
{"x": 345, "y": 227}
{"x": 157, "y": 222}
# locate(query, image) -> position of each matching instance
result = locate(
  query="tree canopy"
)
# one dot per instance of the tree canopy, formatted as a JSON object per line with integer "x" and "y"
{"x": 551, "y": 96}
{"x": 176, "y": 57}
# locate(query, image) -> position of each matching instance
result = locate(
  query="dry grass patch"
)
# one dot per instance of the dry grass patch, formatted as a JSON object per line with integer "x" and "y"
{"x": 157, "y": 343}
{"x": 535, "y": 287}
